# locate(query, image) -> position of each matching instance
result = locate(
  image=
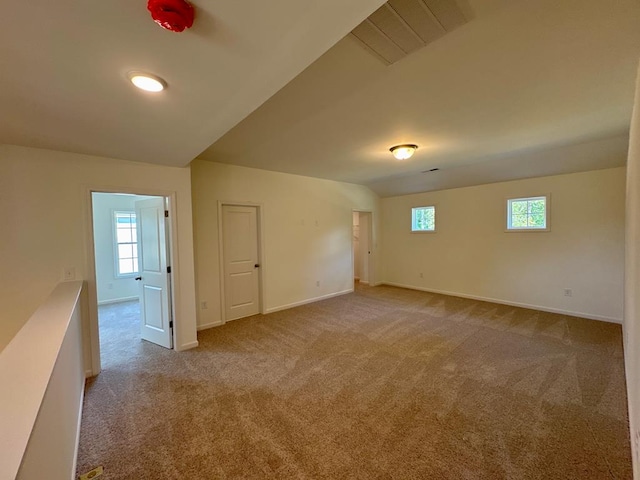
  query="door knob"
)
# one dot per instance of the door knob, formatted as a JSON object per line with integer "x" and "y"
{"x": 257, "y": 265}
{"x": 138, "y": 278}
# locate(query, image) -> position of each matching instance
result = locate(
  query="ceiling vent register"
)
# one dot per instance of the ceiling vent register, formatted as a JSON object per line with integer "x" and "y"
{"x": 400, "y": 27}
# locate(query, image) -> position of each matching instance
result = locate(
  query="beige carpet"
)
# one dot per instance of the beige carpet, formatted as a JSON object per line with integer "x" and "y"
{"x": 385, "y": 383}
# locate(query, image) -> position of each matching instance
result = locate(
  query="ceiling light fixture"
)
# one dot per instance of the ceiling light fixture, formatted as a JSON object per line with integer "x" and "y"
{"x": 402, "y": 152}
{"x": 147, "y": 82}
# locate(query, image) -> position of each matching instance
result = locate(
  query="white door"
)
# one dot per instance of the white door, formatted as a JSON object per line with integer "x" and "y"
{"x": 365, "y": 247}
{"x": 240, "y": 256}
{"x": 155, "y": 311}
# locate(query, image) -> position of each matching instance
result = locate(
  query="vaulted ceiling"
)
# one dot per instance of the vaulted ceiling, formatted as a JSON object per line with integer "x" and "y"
{"x": 526, "y": 88}
{"x": 64, "y": 64}
{"x": 523, "y": 88}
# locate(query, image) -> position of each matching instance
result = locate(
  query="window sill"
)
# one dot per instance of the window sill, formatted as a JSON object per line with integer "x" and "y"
{"x": 527, "y": 230}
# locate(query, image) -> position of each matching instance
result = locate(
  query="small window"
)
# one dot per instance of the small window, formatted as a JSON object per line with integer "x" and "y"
{"x": 423, "y": 219}
{"x": 126, "y": 244}
{"x": 528, "y": 213}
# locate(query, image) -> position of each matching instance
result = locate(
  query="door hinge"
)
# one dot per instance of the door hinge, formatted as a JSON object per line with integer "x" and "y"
{"x": 168, "y": 269}
{"x": 166, "y": 214}
{"x": 171, "y": 324}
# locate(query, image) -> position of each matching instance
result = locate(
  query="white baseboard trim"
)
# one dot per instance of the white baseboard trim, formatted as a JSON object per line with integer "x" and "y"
{"x": 88, "y": 373}
{"x": 364, "y": 282}
{"x": 512, "y": 304}
{"x": 118, "y": 300}
{"x": 205, "y": 326}
{"x": 187, "y": 346}
{"x": 309, "y": 300}
{"x": 77, "y": 446}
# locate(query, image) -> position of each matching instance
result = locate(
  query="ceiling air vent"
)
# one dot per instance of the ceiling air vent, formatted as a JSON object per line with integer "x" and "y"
{"x": 400, "y": 27}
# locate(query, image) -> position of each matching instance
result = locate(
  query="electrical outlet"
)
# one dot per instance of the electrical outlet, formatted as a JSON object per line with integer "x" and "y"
{"x": 317, "y": 283}
{"x": 568, "y": 292}
{"x": 109, "y": 286}
{"x": 68, "y": 274}
{"x": 204, "y": 305}
{"x": 421, "y": 275}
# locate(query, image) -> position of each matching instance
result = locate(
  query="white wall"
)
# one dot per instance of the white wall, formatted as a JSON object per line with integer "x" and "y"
{"x": 307, "y": 233}
{"x": 632, "y": 284}
{"x": 110, "y": 288}
{"x": 56, "y": 432}
{"x": 42, "y": 378}
{"x": 472, "y": 255}
{"x": 45, "y": 199}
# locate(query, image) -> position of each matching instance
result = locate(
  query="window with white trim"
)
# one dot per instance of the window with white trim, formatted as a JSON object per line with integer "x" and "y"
{"x": 423, "y": 219}
{"x": 528, "y": 213}
{"x": 126, "y": 243}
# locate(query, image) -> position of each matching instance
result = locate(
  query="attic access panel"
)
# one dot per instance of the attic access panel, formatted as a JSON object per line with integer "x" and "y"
{"x": 400, "y": 27}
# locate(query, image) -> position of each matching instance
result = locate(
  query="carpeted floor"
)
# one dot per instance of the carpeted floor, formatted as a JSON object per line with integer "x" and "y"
{"x": 120, "y": 334}
{"x": 385, "y": 383}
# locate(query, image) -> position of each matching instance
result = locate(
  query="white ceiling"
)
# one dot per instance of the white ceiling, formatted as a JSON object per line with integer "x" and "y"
{"x": 63, "y": 84}
{"x": 527, "y": 88}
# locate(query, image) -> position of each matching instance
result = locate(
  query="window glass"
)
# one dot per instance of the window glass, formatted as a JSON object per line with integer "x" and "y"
{"x": 423, "y": 219}
{"x": 126, "y": 246}
{"x": 528, "y": 213}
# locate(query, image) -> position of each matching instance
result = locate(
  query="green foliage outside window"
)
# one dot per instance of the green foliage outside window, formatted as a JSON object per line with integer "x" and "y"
{"x": 423, "y": 219}
{"x": 527, "y": 213}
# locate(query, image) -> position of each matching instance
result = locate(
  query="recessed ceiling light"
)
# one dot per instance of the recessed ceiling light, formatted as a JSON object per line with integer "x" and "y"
{"x": 147, "y": 82}
{"x": 402, "y": 152}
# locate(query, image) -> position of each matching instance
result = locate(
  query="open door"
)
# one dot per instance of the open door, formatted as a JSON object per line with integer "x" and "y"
{"x": 155, "y": 309}
{"x": 362, "y": 247}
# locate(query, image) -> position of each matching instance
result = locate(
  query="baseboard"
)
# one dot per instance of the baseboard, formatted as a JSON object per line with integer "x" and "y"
{"x": 364, "y": 282}
{"x": 187, "y": 346}
{"x": 511, "y": 304}
{"x": 205, "y": 326}
{"x": 79, "y": 422}
{"x": 309, "y": 300}
{"x": 88, "y": 373}
{"x": 118, "y": 300}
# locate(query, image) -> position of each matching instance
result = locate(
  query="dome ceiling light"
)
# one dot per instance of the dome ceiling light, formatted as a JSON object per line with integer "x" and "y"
{"x": 404, "y": 151}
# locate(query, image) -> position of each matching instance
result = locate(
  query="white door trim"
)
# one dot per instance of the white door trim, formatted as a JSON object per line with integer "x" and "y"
{"x": 371, "y": 256}
{"x": 94, "y": 333}
{"x": 261, "y": 253}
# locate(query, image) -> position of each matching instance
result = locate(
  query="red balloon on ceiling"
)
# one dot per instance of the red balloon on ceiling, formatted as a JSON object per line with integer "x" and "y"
{"x": 174, "y": 15}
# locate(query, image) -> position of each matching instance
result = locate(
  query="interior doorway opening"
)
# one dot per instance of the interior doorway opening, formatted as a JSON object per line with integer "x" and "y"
{"x": 131, "y": 306}
{"x": 362, "y": 247}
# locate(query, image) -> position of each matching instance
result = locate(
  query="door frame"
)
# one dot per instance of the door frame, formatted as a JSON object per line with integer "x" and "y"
{"x": 172, "y": 259}
{"x": 261, "y": 254}
{"x": 370, "y": 257}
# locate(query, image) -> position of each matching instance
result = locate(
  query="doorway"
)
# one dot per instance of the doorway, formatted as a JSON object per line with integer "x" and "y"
{"x": 132, "y": 274}
{"x": 240, "y": 253}
{"x": 362, "y": 247}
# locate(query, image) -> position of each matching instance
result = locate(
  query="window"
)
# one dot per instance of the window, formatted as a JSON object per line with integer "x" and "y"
{"x": 529, "y": 213}
{"x": 126, "y": 243}
{"x": 423, "y": 219}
